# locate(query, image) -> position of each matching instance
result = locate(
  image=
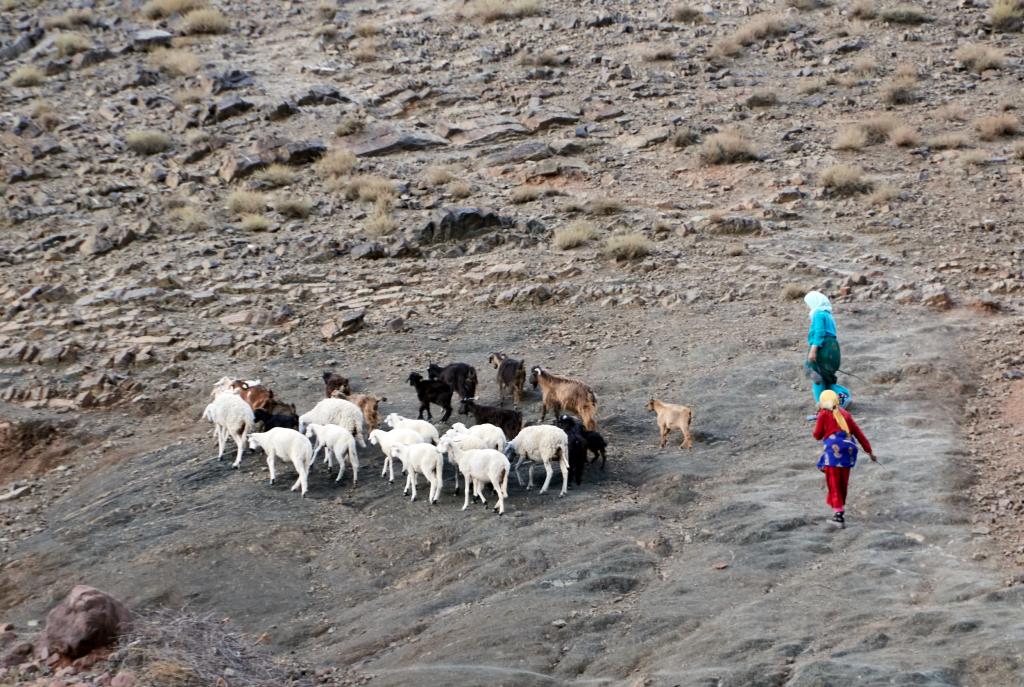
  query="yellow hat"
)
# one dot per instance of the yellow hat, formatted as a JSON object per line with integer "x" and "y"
{"x": 829, "y": 400}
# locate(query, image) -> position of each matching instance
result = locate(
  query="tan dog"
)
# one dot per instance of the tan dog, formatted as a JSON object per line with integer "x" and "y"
{"x": 671, "y": 416}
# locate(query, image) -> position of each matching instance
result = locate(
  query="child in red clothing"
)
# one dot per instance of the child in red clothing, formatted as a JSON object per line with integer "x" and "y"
{"x": 838, "y": 430}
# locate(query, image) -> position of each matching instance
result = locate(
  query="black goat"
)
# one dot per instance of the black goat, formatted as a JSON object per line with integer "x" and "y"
{"x": 336, "y": 383}
{"x": 510, "y": 421}
{"x": 595, "y": 442}
{"x": 268, "y": 420}
{"x": 459, "y": 376}
{"x": 432, "y": 391}
{"x": 511, "y": 377}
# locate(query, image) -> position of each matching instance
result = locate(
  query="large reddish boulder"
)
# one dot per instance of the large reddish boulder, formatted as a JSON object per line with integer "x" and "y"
{"x": 87, "y": 619}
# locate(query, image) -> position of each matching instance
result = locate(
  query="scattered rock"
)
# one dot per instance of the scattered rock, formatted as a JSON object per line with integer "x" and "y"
{"x": 457, "y": 224}
{"x": 150, "y": 38}
{"x": 227, "y": 107}
{"x": 87, "y": 619}
{"x": 371, "y": 250}
{"x": 385, "y": 140}
{"x": 936, "y": 296}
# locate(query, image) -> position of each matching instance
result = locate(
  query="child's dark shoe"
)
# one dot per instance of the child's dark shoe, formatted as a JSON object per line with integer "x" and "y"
{"x": 839, "y": 520}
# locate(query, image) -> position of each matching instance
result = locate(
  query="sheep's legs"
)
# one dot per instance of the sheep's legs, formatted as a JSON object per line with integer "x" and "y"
{"x": 529, "y": 474}
{"x": 270, "y": 465}
{"x": 548, "y": 472}
{"x": 564, "y": 465}
{"x": 664, "y": 435}
{"x": 687, "y": 439}
{"x": 478, "y": 488}
{"x": 353, "y": 458}
{"x": 411, "y": 480}
{"x": 221, "y": 440}
{"x": 303, "y": 480}
{"x": 340, "y": 457}
{"x": 240, "y": 443}
{"x": 466, "y": 481}
{"x": 500, "y": 506}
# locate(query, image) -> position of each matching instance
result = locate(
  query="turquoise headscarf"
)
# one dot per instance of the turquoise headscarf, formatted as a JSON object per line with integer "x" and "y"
{"x": 817, "y": 301}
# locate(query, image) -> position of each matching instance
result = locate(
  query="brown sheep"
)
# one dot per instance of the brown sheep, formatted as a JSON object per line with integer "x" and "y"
{"x": 335, "y": 386}
{"x": 564, "y": 394}
{"x": 368, "y": 404}
{"x": 671, "y": 416}
{"x": 511, "y": 377}
{"x": 257, "y": 396}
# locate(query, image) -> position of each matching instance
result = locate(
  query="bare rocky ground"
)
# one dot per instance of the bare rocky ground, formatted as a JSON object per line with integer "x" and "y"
{"x": 132, "y": 282}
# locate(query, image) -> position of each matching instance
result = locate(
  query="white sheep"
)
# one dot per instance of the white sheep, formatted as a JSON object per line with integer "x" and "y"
{"x": 224, "y": 384}
{"x": 386, "y": 440}
{"x": 285, "y": 444}
{"x": 490, "y": 434}
{"x": 543, "y": 443}
{"x": 231, "y": 416}
{"x": 335, "y": 411}
{"x": 479, "y": 466}
{"x": 420, "y": 459}
{"x": 338, "y": 444}
{"x": 424, "y": 428}
{"x": 466, "y": 441}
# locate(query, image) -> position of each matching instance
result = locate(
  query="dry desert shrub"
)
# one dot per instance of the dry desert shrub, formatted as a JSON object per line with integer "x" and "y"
{"x": 293, "y": 206}
{"x": 351, "y": 123}
{"x": 530, "y": 192}
{"x": 366, "y": 28}
{"x": 762, "y": 99}
{"x": 337, "y": 162}
{"x": 794, "y": 291}
{"x": 996, "y": 126}
{"x": 686, "y": 14}
{"x": 727, "y": 147}
{"x": 904, "y": 136}
{"x": 246, "y": 202}
{"x": 845, "y": 180}
{"x": 367, "y": 51}
{"x": 254, "y": 223}
{"x": 26, "y": 76}
{"x": 973, "y": 158}
{"x": 863, "y": 9}
{"x": 882, "y": 195}
{"x": 460, "y": 189}
{"x": 851, "y": 138}
{"x": 758, "y": 28}
{"x": 658, "y": 53}
{"x": 734, "y": 250}
{"x": 812, "y": 85}
{"x": 380, "y": 222}
{"x": 494, "y": 10}
{"x": 69, "y": 19}
{"x": 684, "y": 137}
{"x": 949, "y": 141}
{"x": 900, "y": 91}
{"x": 807, "y": 5}
{"x": 1018, "y": 150}
{"x": 189, "y": 96}
{"x": 158, "y": 9}
{"x": 326, "y": 10}
{"x": 44, "y": 115}
{"x": 905, "y": 14}
{"x": 979, "y": 58}
{"x": 275, "y": 176}
{"x": 878, "y": 127}
{"x": 952, "y": 112}
{"x": 175, "y": 62}
{"x": 627, "y": 246}
{"x": 574, "y": 234}
{"x": 865, "y": 65}
{"x": 204, "y": 21}
{"x": 438, "y": 175}
{"x": 1006, "y": 16}
{"x": 70, "y": 42}
{"x": 603, "y": 206}
{"x": 546, "y": 58}
{"x": 369, "y": 189}
{"x": 147, "y": 141}
{"x": 190, "y": 219}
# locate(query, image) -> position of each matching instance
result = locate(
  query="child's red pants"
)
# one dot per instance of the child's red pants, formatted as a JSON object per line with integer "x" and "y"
{"x": 837, "y": 479}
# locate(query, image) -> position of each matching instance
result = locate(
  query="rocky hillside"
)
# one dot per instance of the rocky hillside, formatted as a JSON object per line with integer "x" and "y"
{"x": 635, "y": 192}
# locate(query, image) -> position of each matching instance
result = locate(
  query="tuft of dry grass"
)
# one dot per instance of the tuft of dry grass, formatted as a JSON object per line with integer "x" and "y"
{"x": 812, "y": 85}
{"x": 851, "y": 138}
{"x": 147, "y": 141}
{"x": 627, "y": 246}
{"x": 878, "y": 127}
{"x": 351, "y": 123}
{"x": 190, "y": 219}
{"x": 658, "y": 53}
{"x": 44, "y": 115}
{"x": 950, "y": 141}
{"x": 293, "y": 206}
{"x": 807, "y": 5}
{"x": 727, "y": 147}
{"x": 369, "y": 189}
{"x": 973, "y": 158}
{"x": 366, "y": 29}
{"x": 460, "y": 189}
{"x": 734, "y": 250}
{"x": 845, "y": 180}
{"x": 158, "y": 9}
{"x": 276, "y": 176}
{"x": 863, "y": 9}
{"x": 900, "y": 91}
{"x": 758, "y": 28}
{"x": 904, "y": 136}
{"x": 380, "y": 222}
{"x": 438, "y": 175}
{"x": 189, "y": 96}
{"x": 996, "y": 126}
{"x": 368, "y": 51}
{"x": 684, "y": 137}
{"x": 905, "y": 14}
{"x": 865, "y": 65}
{"x": 762, "y": 99}
{"x": 26, "y": 76}
{"x": 71, "y": 42}
{"x": 246, "y": 202}
{"x": 175, "y": 62}
{"x": 531, "y": 192}
{"x": 69, "y": 19}
{"x": 337, "y": 162}
{"x": 326, "y": 10}
{"x": 979, "y": 58}
{"x": 882, "y": 195}
{"x": 686, "y": 14}
{"x": 254, "y": 223}
{"x": 574, "y": 234}
{"x": 1018, "y": 150}
{"x": 1006, "y": 16}
{"x": 545, "y": 58}
{"x": 952, "y": 112}
{"x": 495, "y": 10}
{"x": 794, "y": 291}
{"x": 205, "y": 21}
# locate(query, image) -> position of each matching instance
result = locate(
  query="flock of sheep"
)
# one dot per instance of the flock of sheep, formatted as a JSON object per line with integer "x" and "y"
{"x": 482, "y": 453}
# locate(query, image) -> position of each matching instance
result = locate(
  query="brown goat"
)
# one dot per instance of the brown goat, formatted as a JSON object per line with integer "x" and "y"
{"x": 671, "y": 416}
{"x": 368, "y": 404}
{"x": 257, "y": 396}
{"x": 511, "y": 377}
{"x": 564, "y": 394}
{"x": 336, "y": 386}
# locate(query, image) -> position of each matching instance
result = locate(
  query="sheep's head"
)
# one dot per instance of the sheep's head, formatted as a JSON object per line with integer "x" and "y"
{"x": 495, "y": 359}
{"x": 391, "y": 420}
{"x": 310, "y": 432}
{"x": 415, "y": 378}
{"x": 373, "y": 436}
{"x": 650, "y": 405}
{"x": 253, "y": 442}
{"x": 510, "y": 450}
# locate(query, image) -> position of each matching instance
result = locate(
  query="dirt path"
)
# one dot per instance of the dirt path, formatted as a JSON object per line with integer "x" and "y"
{"x": 710, "y": 567}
